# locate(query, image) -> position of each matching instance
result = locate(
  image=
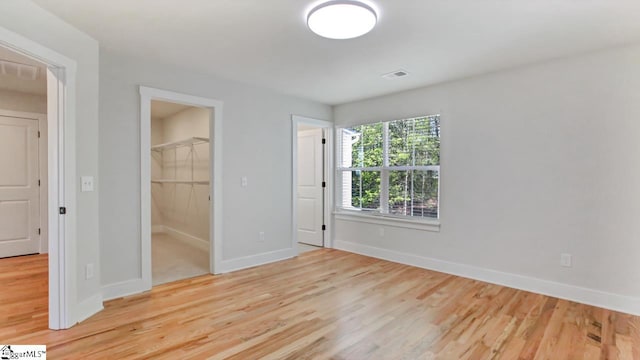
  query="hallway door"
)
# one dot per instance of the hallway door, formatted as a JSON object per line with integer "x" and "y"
{"x": 310, "y": 190}
{"x": 19, "y": 188}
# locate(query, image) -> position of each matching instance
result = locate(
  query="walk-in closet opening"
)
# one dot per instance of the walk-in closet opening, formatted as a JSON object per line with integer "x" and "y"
{"x": 180, "y": 191}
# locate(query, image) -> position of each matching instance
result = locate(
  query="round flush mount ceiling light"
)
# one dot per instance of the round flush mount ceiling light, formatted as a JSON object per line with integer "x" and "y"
{"x": 342, "y": 19}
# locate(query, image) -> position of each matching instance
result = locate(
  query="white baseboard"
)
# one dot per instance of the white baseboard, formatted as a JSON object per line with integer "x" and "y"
{"x": 579, "y": 294}
{"x": 123, "y": 288}
{"x": 87, "y": 308}
{"x": 255, "y": 260}
{"x": 136, "y": 286}
{"x": 196, "y": 242}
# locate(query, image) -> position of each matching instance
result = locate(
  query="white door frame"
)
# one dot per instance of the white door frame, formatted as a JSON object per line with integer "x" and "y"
{"x": 328, "y": 171}
{"x": 61, "y": 101}
{"x": 215, "y": 174}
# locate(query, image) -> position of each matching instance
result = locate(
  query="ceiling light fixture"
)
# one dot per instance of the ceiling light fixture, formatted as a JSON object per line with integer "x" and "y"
{"x": 342, "y": 19}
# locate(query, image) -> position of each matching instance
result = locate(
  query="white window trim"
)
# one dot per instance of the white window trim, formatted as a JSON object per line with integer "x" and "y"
{"x": 377, "y": 218}
{"x": 381, "y": 216}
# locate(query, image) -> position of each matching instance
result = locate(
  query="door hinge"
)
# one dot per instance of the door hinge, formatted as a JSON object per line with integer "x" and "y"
{"x": 324, "y": 141}
{"x": 39, "y": 231}
{"x": 63, "y": 210}
{"x": 324, "y": 227}
{"x": 38, "y": 133}
{"x": 324, "y": 184}
{"x": 38, "y": 182}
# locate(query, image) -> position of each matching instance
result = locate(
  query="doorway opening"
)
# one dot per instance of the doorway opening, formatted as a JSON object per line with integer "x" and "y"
{"x": 181, "y": 183}
{"x": 312, "y": 143}
{"x": 23, "y": 186}
{"x": 179, "y": 191}
{"x": 35, "y": 92}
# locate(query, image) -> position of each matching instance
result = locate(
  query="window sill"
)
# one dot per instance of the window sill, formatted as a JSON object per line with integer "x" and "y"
{"x": 389, "y": 220}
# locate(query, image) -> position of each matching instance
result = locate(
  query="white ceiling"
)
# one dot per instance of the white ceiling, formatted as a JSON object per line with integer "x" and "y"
{"x": 15, "y": 83}
{"x": 267, "y": 43}
{"x": 163, "y": 109}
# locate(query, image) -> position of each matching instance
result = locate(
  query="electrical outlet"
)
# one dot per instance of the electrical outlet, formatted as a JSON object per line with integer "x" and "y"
{"x": 243, "y": 181}
{"x": 565, "y": 260}
{"x": 261, "y": 236}
{"x": 381, "y": 231}
{"x": 86, "y": 183}
{"x": 89, "y": 271}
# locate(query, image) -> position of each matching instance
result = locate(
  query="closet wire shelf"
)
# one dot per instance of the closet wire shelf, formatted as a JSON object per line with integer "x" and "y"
{"x": 174, "y": 145}
{"x": 167, "y": 181}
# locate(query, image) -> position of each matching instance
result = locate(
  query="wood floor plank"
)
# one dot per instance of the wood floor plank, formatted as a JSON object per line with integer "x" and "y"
{"x": 325, "y": 304}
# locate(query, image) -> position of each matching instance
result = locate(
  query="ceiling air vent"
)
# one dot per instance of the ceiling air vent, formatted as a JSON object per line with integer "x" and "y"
{"x": 22, "y": 71}
{"x": 395, "y": 74}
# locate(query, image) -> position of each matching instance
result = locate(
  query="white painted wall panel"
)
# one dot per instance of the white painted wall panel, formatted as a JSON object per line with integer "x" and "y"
{"x": 257, "y": 144}
{"x": 536, "y": 162}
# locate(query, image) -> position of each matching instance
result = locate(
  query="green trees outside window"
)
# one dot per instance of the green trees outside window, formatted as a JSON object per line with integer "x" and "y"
{"x": 391, "y": 167}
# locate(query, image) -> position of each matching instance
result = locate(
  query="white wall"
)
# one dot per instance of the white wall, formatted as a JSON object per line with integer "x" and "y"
{"x": 157, "y": 137}
{"x": 30, "y": 21}
{"x": 536, "y": 162}
{"x": 19, "y": 101}
{"x": 257, "y": 144}
{"x": 182, "y": 207}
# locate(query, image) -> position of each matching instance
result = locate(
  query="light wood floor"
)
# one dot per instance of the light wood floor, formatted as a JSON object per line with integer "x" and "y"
{"x": 323, "y": 304}
{"x": 173, "y": 259}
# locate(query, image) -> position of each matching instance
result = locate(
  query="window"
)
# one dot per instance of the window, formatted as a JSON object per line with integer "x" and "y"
{"x": 390, "y": 168}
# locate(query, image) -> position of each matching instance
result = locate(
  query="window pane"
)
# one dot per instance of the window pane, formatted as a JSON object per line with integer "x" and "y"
{"x": 361, "y": 189}
{"x": 413, "y": 193}
{"x": 362, "y": 146}
{"x": 415, "y": 142}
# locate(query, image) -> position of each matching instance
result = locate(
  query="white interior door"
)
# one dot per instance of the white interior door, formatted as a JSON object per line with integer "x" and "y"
{"x": 310, "y": 191}
{"x": 19, "y": 190}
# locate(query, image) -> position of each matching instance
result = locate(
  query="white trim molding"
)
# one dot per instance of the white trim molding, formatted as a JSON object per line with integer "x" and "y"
{"x": 61, "y": 125}
{"x": 328, "y": 132}
{"x": 215, "y": 171}
{"x": 88, "y": 307}
{"x": 389, "y": 220}
{"x": 122, "y": 288}
{"x": 182, "y": 236}
{"x": 258, "y": 259}
{"x": 579, "y": 294}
